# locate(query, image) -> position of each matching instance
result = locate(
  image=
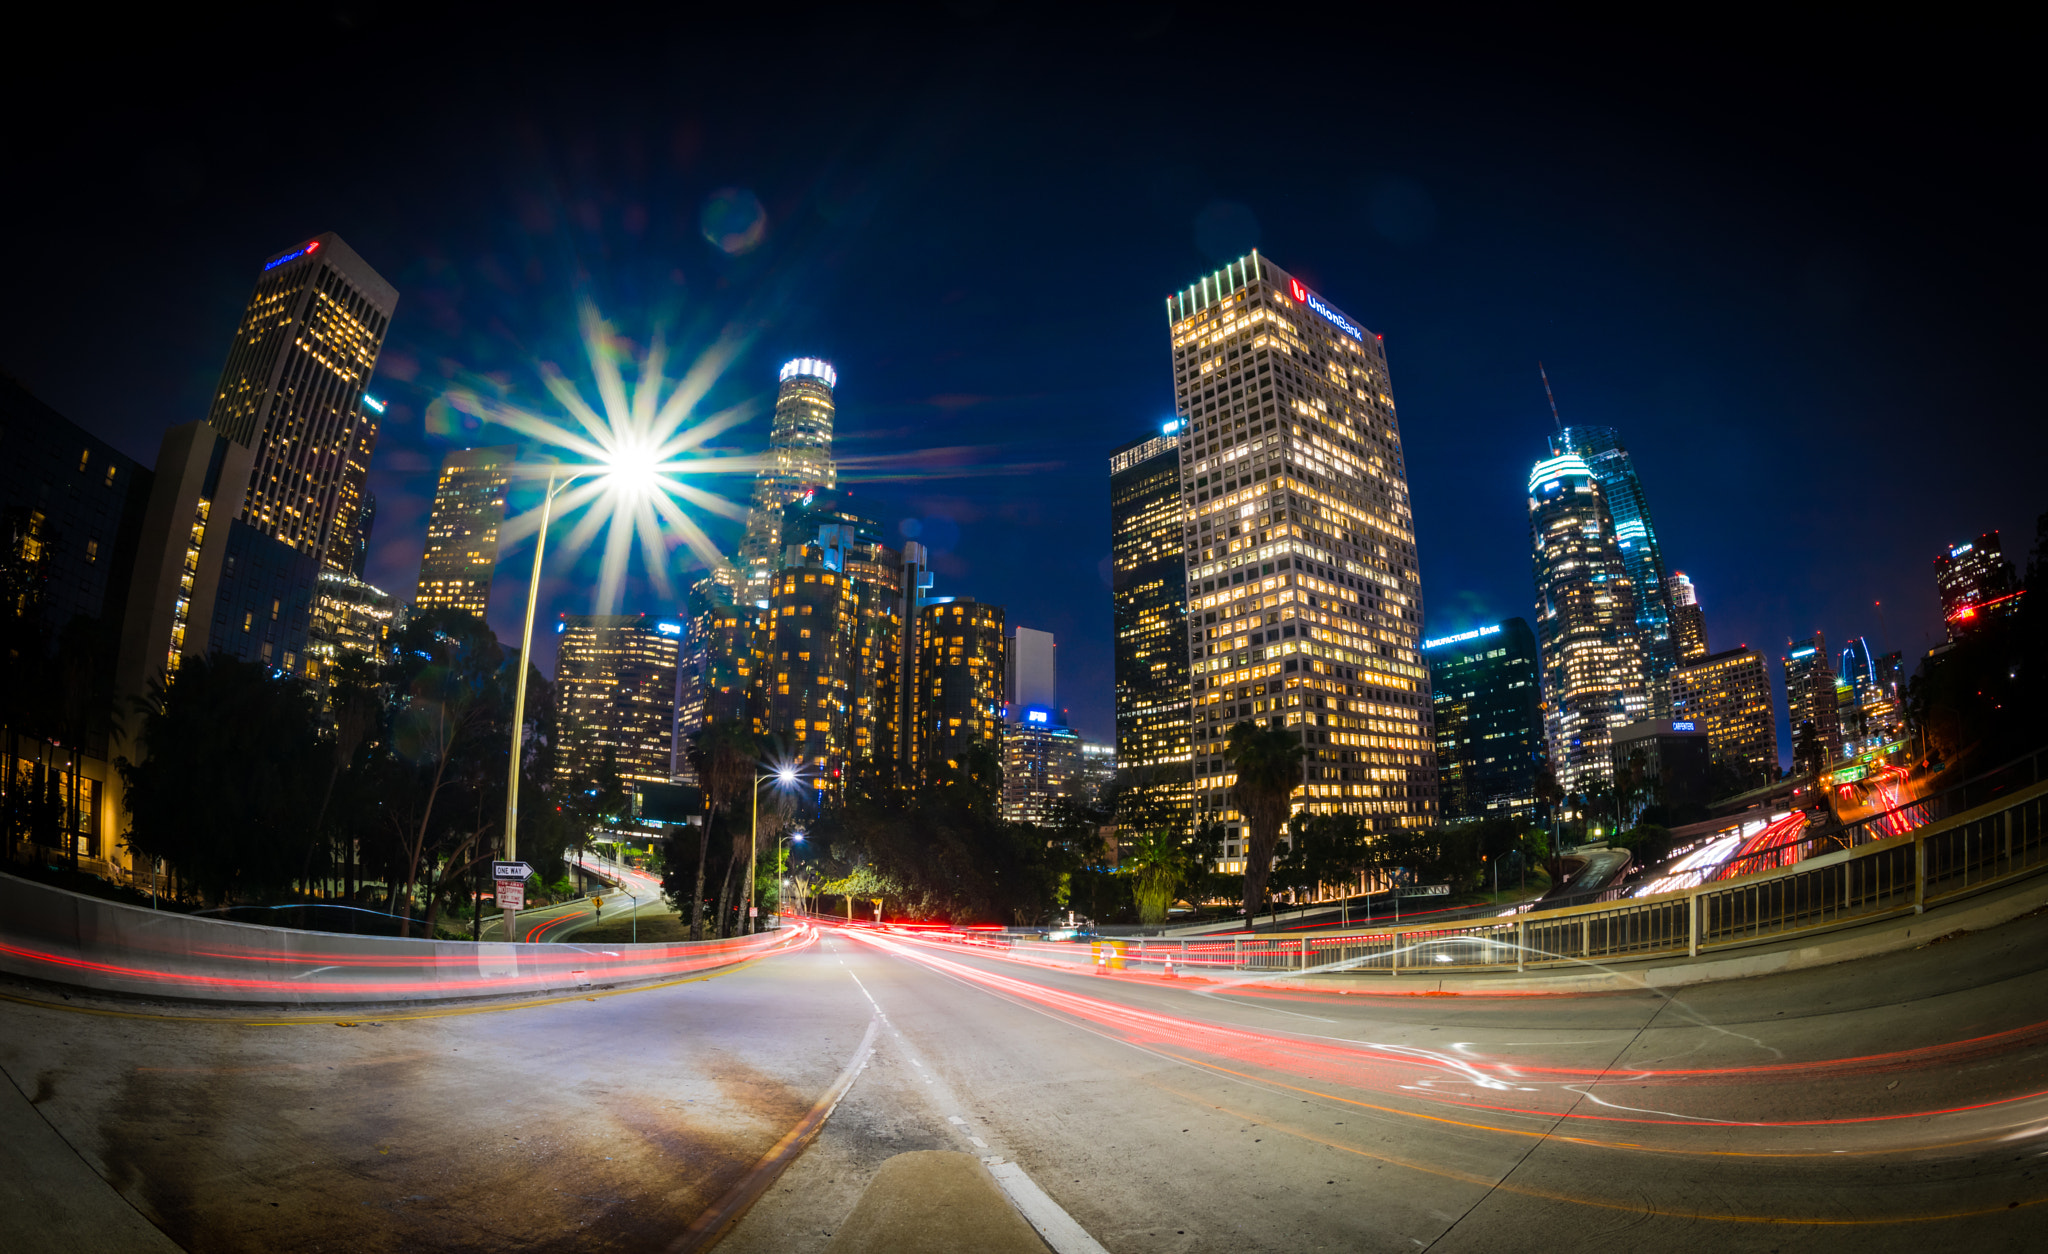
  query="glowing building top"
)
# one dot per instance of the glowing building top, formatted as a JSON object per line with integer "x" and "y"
{"x": 813, "y": 367}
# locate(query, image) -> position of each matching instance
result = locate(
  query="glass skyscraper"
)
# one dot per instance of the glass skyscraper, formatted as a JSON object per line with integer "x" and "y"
{"x": 1149, "y": 591}
{"x": 462, "y": 531}
{"x": 1593, "y": 673}
{"x": 293, "y": 389}
{"x": 1489, "y": 720}
{"x": 1304, "y": 599}
{"x": 799, "y": 459}
{"x": 1604, "y": 454}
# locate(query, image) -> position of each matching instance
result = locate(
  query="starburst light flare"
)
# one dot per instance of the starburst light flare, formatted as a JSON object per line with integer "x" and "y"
{"x": 632, "y": 456}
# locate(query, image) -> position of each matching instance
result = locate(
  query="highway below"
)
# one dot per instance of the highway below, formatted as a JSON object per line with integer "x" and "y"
{"x": 1896, "y": 1103}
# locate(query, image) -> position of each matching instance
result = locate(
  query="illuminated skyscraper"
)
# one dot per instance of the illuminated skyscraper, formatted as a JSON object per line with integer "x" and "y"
{"x": 1304, "y": 601}
{"x": 959, "y": 692}
{"x": 1635, "y": 535}
{"x": 1149, "y": 607}
{"x": 615, "y": 683}
{"x": 1810, "y": 694}
{"x": 1728, "y": 695}
{"x": 1976, "y": 584}
{"x": 1688, "y": 620}
{"x": 799, "y": 458}
{"x": 1489, "y": 720}
{"x": 462, "y": 531}
{"x": 1594, "y": 680}
{"x": 292, "y": 390}
{"x": 1041, "y": 758}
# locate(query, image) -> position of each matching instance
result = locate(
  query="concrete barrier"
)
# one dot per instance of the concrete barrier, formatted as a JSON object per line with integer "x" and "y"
{"x": 68, "y": 938}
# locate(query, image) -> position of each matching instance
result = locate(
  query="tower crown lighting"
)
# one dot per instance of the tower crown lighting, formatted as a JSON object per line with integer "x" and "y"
{"x": 815, "y": 367}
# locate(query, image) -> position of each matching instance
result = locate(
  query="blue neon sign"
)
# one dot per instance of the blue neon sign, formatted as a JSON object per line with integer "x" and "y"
{"x": 1686, "y": 725}
{"x": 311, "y": 247}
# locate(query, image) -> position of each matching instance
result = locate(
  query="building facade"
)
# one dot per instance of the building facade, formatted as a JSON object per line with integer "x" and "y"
{"x": 959, "y": 691}
{"x": 1659, "y": 762}
{"x": 814, "y": 661}
{"x": 1041, "y": 758}
{"x": 615, "y": 682}
{"x": 799, "y": 458}
{"x": 1149, "y": 607}
{"x": 462, "y": 530}
{"x": 1593, "y": 672}
{"x": 1810, "y": 695}
{"x": 1688, "y": 620}
{"x": 1490, "y": 746}
{"x": 293, "y": 391}
{"x": 1728, "y": 695}
{"x": 1976, "y": 584}
{"x": 1621, "y": 490}
{"x": 1031, "y": 669}
{"x": 350, "y": 619}
{"x": 1304, "y": 596}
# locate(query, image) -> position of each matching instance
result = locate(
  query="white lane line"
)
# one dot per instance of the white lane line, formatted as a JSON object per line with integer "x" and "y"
{"x": 978, "y": 1142}
{"x": 1041, "y": 1212}
{"x": 956, "y": 1119}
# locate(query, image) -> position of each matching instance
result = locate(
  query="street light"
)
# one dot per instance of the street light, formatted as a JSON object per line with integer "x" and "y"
{"x": 627, "y": 470}
{"x": 784, "y": 776}
{"x": 795, "y": 837}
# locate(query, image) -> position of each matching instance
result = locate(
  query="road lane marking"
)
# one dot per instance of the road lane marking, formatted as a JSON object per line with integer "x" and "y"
{"x": 1041, "y": 1212}
{"x": 706, "y": 1230}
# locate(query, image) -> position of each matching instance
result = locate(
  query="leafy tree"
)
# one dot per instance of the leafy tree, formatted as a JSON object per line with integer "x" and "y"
{"x": 233, "y": 753}
{"x": 1268, "y": 765}
{"x": 1164, "y": 862}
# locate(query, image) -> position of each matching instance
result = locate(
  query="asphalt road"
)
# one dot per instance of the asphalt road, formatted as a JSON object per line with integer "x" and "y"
{"x": 1896, "y": 1103}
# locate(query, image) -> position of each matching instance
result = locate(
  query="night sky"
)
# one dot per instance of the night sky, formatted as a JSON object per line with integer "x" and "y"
{"x": 1796, "y": 267}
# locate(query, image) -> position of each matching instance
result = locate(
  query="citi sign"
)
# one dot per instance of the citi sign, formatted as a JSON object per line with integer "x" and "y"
{"x": 293, "y": 255}
{"x": 1315, "y": 302}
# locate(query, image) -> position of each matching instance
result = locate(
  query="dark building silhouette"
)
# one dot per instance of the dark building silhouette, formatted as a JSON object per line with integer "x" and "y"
{"x": 1489, "y": 720}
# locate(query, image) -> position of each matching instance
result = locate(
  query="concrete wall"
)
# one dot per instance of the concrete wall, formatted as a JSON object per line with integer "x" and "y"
{"x": 66, "y": 938}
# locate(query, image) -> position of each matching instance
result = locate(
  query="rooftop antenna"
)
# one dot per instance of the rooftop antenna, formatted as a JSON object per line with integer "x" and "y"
{"x": 1553, "y": 399}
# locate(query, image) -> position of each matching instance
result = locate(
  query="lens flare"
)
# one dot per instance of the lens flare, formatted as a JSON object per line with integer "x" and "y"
{"x": 636, "y": 456}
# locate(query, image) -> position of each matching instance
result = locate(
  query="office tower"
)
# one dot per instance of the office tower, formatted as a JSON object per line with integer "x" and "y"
{"x": 71, "y": 505}
{"x": 1688, "y": 620}
{"x": 1304, "y": 602}
{"x": 292, "y": 391}
{"x": 71, "y": 520}
{"x": 1149, "y": 605}
{"x": 462, "y": 530}
{"x": 1976, "y": 584}
{"x": 1866, "y": 697}
{"x": 350, "y": 618}
{"x": 615, "y": 682}
{"x": 799, "y": 458}
{"x": 359, "y": 536}
{"x": 1029, "y": 670}
{"x": 1489, "y": 720}
{"x": 1041, "y": 758}
{"x": 1094, "y": 770}
{"x": 1658, "y": 762}
{"x": 1149, "y": 585}
{"x": 1810, "y": 694}
{"x": 1728, "y": 694}
{"x": 812, "y": 658}
{"x": 959, "y": 692}
{"x": 1594, "y": 679}
{"x": 1636, "y": 536}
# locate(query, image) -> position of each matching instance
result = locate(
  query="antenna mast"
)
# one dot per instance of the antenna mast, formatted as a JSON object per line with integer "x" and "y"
{"x": 1552, "y": 399}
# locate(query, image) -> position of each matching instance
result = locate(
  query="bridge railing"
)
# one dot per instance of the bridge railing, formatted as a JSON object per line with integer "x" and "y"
{"x": 1999, "y": 842}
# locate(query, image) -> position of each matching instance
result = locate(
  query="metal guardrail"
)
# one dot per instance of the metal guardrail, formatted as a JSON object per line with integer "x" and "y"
{"x": 2000, "y": 842}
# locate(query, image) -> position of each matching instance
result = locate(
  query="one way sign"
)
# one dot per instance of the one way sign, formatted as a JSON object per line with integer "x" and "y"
{"x": 510, "y": 870}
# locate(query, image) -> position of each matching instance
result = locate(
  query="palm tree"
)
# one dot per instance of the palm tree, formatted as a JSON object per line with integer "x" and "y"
{"x": 1268, "y": 764}
{"x": 724, "y": 756}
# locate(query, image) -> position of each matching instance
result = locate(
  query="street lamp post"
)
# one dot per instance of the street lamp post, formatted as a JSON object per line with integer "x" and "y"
{"x": 796, "y": 837}
{"x": 540, "y": 542}
{"x": 785, "y": 775}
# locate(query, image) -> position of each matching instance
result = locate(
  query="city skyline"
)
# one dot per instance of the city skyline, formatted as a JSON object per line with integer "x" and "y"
{"x": 940, "y": 340}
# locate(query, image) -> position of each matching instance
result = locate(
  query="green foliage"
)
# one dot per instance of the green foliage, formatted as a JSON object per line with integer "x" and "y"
{"x": 1162, "y": 862}
{"x": 234, "y": 755}
{"x": 1325, "y": 849}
